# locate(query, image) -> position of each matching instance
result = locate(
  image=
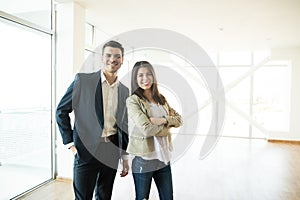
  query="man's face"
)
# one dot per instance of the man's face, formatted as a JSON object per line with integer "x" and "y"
{"x": 112, "y": 59}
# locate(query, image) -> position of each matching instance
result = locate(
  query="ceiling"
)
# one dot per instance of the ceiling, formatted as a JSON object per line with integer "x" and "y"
{"x": 213, "y": 24}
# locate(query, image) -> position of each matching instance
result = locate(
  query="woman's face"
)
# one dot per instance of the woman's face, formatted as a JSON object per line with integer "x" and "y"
{"x": 144, "y": 78}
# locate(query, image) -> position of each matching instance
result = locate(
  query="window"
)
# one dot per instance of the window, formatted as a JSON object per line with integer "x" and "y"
{"x": 271, "y": 97}
{"x": 25, "y": 108}
{"x": 89, "y": 35}
{"x": 238, "y": 99}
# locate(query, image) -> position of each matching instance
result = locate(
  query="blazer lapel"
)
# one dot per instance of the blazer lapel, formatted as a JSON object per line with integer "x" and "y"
{"x": 99, "y": 102}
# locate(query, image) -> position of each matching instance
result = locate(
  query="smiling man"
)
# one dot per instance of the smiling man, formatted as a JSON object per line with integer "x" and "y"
{"x": 100, "y": 134}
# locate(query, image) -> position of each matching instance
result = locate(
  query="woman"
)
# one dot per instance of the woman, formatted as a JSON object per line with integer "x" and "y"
{"x": 150, "y": 139}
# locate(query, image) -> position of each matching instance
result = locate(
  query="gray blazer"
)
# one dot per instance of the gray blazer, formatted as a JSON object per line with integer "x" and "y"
{"x": 84, "y": 97}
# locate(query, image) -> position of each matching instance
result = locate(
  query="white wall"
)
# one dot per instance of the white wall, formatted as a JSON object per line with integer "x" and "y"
{"x": 70, "y": 56}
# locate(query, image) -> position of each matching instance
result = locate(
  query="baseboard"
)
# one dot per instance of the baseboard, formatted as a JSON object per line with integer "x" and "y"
{"x": 284, "y": 141}
{"x": 63, "y": 179}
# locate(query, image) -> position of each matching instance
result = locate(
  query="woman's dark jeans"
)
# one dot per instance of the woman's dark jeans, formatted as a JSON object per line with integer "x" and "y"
{"x": 144, "y": 171}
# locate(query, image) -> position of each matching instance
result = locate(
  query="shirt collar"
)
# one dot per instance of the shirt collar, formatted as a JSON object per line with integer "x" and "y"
{"x": 103, "y": 79}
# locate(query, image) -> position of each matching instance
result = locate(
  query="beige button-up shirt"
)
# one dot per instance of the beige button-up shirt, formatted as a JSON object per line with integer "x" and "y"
{"x": 110, "y": 103}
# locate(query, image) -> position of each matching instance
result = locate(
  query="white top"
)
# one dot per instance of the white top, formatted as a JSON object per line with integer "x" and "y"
{"x": 162, "y": 148}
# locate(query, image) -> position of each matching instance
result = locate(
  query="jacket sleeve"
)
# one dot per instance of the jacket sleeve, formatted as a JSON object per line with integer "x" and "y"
{"x": 123, "y": 143}
{"x": 140, "y": 119}
{"x": 174, "y": 120}
{"x": 63, "y": 110}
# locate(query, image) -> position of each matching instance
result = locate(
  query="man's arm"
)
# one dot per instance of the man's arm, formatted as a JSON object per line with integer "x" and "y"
{"x": 63, "y": 110}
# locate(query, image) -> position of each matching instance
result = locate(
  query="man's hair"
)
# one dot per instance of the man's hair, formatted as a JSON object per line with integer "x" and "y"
{"x": 113, "y": 44}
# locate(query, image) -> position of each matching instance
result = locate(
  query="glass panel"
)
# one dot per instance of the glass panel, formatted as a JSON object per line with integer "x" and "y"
{"x": 100, "y": 37}
{"x": 256, "y": 133}
{"x": 239, "y": 94}
{"x": 34, "y": 11}
{"x": 25, "y": 109}
{"x": 235, "y": 125}
{"x": 271, "y": 98}
{"x": 89, "y": 35}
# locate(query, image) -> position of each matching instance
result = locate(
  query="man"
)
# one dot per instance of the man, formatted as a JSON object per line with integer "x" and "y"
{"x": 100, "y": 134}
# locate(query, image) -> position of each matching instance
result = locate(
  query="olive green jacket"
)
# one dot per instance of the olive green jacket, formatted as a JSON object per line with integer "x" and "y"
{"x": 141, "y": 134}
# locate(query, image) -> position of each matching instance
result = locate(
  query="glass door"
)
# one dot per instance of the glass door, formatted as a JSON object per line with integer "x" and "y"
{"x": 25, "y": 108}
